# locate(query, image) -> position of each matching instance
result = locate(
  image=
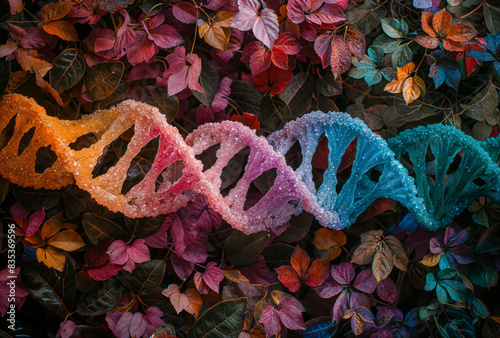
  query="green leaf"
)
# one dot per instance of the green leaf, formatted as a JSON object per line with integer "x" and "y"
{"x": 102, "y": 79}
{"x": 481, "y": 130}
{"x": 298, "y": 94}
{"x": 275, "y": 112}
{"x": 278, "y": 254}
{"x": 73, "y": 202}
{"x": 36, "y": 199}
{"x": 246, "y": 97}
{"x": 392, "y": 27}
{"x": 491, "y": 15}
{"x": 158, "y": 97}
{"x": 53, "y": 289}
{"x": 484, "y": 104}
{"x": 4, "y": 75}
{"x": 399, "y": 113}
{"x": 225, "y": 319}
{"x": 209, "y": 82}
{"x": 243, "y": 249}
{"x": 401, "y": 56}
{"x": 367, "y": 17}
{"x": 99, "y": 229}
{"x": 144, "y": 227}
{"x": 99, "y": 299}
{"x": 146, "y": 277}
{"x": 112, "y": 100}
{"x": 67, "y": 70}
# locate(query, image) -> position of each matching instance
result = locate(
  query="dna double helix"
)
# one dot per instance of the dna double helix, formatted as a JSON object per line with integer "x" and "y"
{"x": 433, "y": 171}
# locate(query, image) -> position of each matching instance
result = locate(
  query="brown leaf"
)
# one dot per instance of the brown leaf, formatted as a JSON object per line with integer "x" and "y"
{"x": 30, "y": 62}
{"x": 325, "y": 239}
{"x": 300, "y": 261}
{"x": 63, "y": 29}
{"x": 364, "y": 253}
{"x": 51, "y": 257}
{"x": 190, "y": 301}
{"x": 400, "y": 257}
{"x": 372, "y": 236}
{"x": 54, "y": 11}
{"x": 431, "y": 259}
{"x": 411, "y": 91}
{"x": 217, "y": 33}
{"x": 340, "y": 60}
{"x": 52, "y": 226}
{"x": 382, "y": 263}
{"x": 67, "y": 240}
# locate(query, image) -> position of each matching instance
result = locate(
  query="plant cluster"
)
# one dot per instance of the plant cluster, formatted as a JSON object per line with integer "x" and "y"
{"x": 83, "y": 271}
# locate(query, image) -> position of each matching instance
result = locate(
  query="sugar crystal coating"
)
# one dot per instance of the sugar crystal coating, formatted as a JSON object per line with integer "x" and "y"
{"x": 434, "y": 202}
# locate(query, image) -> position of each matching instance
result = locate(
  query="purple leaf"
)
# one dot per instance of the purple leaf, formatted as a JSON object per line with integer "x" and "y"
{"x": 341, "y": 306}
{"x": 365, "y": 281}
{"x": 386, "y": 290}
{"x": 343, "y": 273}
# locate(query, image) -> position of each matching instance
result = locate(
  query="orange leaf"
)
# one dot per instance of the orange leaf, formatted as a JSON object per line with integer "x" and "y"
{"x": 395, "y": 86}
{"x": 51, "y": 257}
{"x": 325, "y": 239}
{"x": 190, "y": 301}
{"x": 54, "y": 11}
{"x": 63, "y": 29}
{"x": 235, "y": 276}
{"x": 217, "y": 33}
{"x": 331, "y": 253}
{"x": 460, "y": 32}
{"x": 411, "y": 91}
{"x": 317, "y": 273}
{"x": 300, "y": 261}
{"x": 405, "y": 71}
{"x": 431, "y": 259}
{"x": 377, "y": 207}
{"x": 441, "y": 20}
{"x": 427, "y": 23}
{"x": 67, "y": 240}
{"x": 52, "y": 226}
{"x": 30, "y": 62}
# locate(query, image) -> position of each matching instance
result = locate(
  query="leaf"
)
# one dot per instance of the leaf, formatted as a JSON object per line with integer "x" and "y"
{"x": 36, "y": 199}
{"x": 264, "y": 25}
{"x": 273, "y": 79}
{"x": 113, "y": 5}
{"x": 67, "y": 240}
{"x": 99, "y": 299}
{"x": 118, "y": 96}
{"x": 52, "y": 289}
{"x": 325, "y": 239}
{"x": 356, "y": 42}
{"x": 275, "y": 112}
{"x": 209, "y": 82}
{"x": 392, "y": 27}
{"x": 159, "y": 98}
{"x": 68, "y": 68}
{"x": 491, "y": 14}
{"x": 298, "y": 94}
{"x": 4, "y": 75}
{"x": 319, "y": 327}
{"x": 54, "y": 11}
{"x": 225, "y": 319}
{"x": 328, "y": 86}
{"x": 61, "y": 28}
{"x": 217, "y": 32}
{"x": 146, "y": 277}
{"x": 367, "y": 17}
{"x": 99, "y": 229}
{"x": 144, "y": 227}
{"x": 235, "y": 276}
{"x": 243, "y": 249}
{"x": 484, "y": 104}
{"x": 102, "y": 79}
{"x": 278, "y": 254}
{"x": 334, "y": 51}
{"x": 185, "y": 12}
{"x": 190, "y": 301}
{"x": 246, "y": 97}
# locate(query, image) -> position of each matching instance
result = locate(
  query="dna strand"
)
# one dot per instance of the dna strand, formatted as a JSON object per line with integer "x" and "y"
{"x": 292, "y": 191}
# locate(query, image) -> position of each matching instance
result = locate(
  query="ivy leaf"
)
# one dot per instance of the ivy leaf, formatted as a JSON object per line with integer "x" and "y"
{"x": 225, "y": 319}
{"x": 54, "y": 11}
{"x": 217, "y": 32}
{"x": 484, "y": 104}
{"x": 185, "y": 12}
{"x": 320, "y": 327}
{"x": 334, "y": 51}
{"x": 274, "y": 79}
{"x": 183, "y": 71}
{"x": 314, "y": 12}
{"x": 190, "y": 301}
{"x": 264, "y": 25}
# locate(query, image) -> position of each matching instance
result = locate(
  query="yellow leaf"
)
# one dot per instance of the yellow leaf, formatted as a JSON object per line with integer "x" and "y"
{"x": 17, "y": 78}
{"x": 431, "y": 259}
{"x": 382, "y": 263}
{"x": 399, "y": 255}
{"x": 54, "y": 11}
{"x": 411, "y": 91}
{"x": 67, "y": 240}
{"x": 190, "y": 301}
{"x": 63, "y": 29}
{"x": 34, "y": 241}
{"x": 52, "y": 226}
{"x": 51, "y": 257}
{"x": 217, "y": 33}
{"x": 224, "y": 19}
{"x": 325, "y": 239}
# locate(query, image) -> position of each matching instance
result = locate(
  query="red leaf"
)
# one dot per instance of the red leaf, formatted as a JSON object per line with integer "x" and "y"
{"x": 258, "y": 57}
{"x": 274, "y": 79}
{"x": 287, "y": 43}
{"x": 249, "y": 120}
{"x": 291, "y": 316}
{"x": 209, "y": 279}
{"x": 298, "y": 11}
{"x": 185, "y": 12}
{"x": 377, "y": 207}
{"x": 334, "y": 51}
{"x": 265, "y": 25}
{"x": 289, "y": 278}
{"x": 300, "y": 261}
{"x": 320, "y": 157}
{"x": 163, "y": 35}
{"x": 356, "y": 42}
{"x": 317, "y": 273}
{"x": 183, "y": 71}
{"x": 182, "y": 268}
{"x": 142, "y": 50}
